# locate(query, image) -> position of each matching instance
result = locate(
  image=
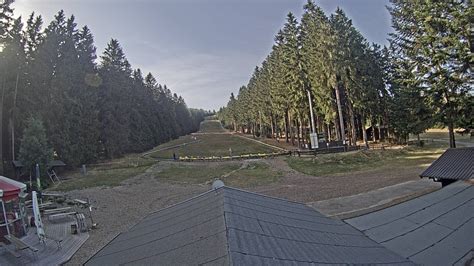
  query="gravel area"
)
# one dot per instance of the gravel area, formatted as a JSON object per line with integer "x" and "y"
{"x": 121, "y": 207}
{"x": 300, "y": 187}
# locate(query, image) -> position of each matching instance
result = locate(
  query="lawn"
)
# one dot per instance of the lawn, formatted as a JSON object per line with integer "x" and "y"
{"x": 106, "y": 174}
{"x": 235, "y": 174}
{"x": 360, "y": 161}
{"x": 212, "y": 145}
{"x": 442, "y": 133}
{"x": 211, "y": 126}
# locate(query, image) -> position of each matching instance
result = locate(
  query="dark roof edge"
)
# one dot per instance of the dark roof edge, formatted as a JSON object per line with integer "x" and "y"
{"x": 422, "y": 175}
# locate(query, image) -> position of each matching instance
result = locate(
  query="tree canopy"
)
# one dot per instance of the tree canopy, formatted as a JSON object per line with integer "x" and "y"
{"x": 92, "y": 107}
{"x": 358, "y": 90}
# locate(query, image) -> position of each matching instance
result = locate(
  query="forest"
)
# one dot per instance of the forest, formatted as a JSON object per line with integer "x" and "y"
{"x": 58, "y": 99}
{"x": 360, "y": 91}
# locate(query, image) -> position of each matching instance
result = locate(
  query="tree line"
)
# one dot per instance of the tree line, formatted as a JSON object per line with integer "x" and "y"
{"x": 357, "y": 90}
{"x": 90, "y": 108}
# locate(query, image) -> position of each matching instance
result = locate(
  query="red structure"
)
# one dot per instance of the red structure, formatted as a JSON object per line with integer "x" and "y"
{"x": 13, "y": 218}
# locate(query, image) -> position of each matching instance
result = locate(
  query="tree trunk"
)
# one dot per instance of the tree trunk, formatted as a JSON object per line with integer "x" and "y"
{"x": 380, "y": 131}
{"x": 12, "y": 117}
{"x": 353, "y": 128}
{"x": 1, "y": 126}
{"x": 338, "y": 130}
{"x": 373, "y": 131}
{"x": 341, "y": 119}
{"x": 452, "y": 141}
{"x": 328, "y": 129}
{"x": 286, "y": 126}
{"x": 292, "y": 128}
{"x": 364, "y": 132}
{"x": 298, "y": 133}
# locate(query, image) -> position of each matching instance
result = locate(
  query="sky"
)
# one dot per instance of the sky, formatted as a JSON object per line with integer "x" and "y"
{"x": 201, "y": 49}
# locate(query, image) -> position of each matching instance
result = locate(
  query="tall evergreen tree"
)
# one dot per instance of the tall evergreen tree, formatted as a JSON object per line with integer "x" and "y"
{"x": 435, "y": 36}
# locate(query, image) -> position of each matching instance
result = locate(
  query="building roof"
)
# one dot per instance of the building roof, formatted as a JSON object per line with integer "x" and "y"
{"x": 227, "y": 226}
{"x": 10, "y": 188}
{"x": 434, "y": 229}
{"x": 455, "y": 164}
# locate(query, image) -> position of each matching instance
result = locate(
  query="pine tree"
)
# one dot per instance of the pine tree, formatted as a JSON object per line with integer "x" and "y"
{"x": 34, "y": 145}
{"x": 434, "y": 36}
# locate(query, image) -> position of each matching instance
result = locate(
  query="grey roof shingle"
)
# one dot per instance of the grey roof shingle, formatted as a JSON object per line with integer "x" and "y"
{"x": 435, "y": 229}
{"x": 228, "y": 226}
{"x": 455, "y": 164}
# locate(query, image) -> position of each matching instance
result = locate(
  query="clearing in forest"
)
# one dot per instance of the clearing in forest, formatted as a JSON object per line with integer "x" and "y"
{"x": 211, "y": 140}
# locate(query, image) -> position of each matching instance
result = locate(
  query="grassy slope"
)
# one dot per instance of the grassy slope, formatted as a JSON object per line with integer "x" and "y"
{"x": 214, "y": 145}
{"x": 115, "y": 171}
{"x": 233, "y": 174}
{"x": 107, "y": 174}
{"x": 360, "y": 161}
{"x": 211, "y": 126}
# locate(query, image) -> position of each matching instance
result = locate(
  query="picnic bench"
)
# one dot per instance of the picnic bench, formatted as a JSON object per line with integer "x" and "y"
{"x": 42, "y": 205}
{"x": 57, "y": 210}
{"x": 82, "y": 202}
{"x": 60, "y": 215}
{"x": 20, "y": 244}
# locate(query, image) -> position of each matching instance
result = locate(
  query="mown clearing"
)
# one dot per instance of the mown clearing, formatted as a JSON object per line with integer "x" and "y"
{"x": 212, "y": 140}
{"x": 236, "y": 174}
{"x": 382, "y": 160}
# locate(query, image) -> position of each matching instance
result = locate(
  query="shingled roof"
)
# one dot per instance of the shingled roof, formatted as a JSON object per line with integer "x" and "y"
{"x": 453, "y": 164}
{"x": 227, "y": 226}
{"x": 434, "y": 229}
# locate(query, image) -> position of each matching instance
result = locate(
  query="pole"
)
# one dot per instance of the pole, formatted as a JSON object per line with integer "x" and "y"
{"x": 313, "y": 136}
{"x": 313, "y": 127}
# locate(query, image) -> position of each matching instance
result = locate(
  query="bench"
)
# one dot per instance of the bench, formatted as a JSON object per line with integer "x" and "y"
{"x": 60, "y": 215}
{"x": 41, "y": 206}
{"x": 57, "y": 210}
{"x": 20, "y": 244}
{"x": 53, "y": 195}
{"x": 82, "y": 202}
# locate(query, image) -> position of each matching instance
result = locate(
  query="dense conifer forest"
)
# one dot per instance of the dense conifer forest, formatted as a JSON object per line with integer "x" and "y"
{"x": 362, "y": 91}
{"x": 90, "y": 107}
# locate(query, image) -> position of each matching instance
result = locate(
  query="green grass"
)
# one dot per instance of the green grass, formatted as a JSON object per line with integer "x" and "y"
{"x": 334, "y": 164}
{"x": 442, "y": 134}
{"x": 211, "y": 126}
{"x": 255, "y": 174}
{"x": 195, "y": 174}
{"x": 214, "y": 145}
{"x": 232, "y": 174}
{"x": 106, "y": 174}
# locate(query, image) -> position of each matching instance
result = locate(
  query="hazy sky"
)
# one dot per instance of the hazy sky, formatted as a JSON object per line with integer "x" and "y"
{"x": 202, "y": 49}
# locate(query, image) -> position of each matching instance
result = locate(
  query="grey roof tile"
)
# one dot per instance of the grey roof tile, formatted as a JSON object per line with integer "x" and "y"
{"x": 435, "y": 229}
{"x": 456, "y": 164}
{"x": 230, "y": 226}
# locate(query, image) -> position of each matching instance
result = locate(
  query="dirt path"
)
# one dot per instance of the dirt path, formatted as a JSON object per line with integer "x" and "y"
{"x": 305, "y": 188}
{"x": 262, "y": 143}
